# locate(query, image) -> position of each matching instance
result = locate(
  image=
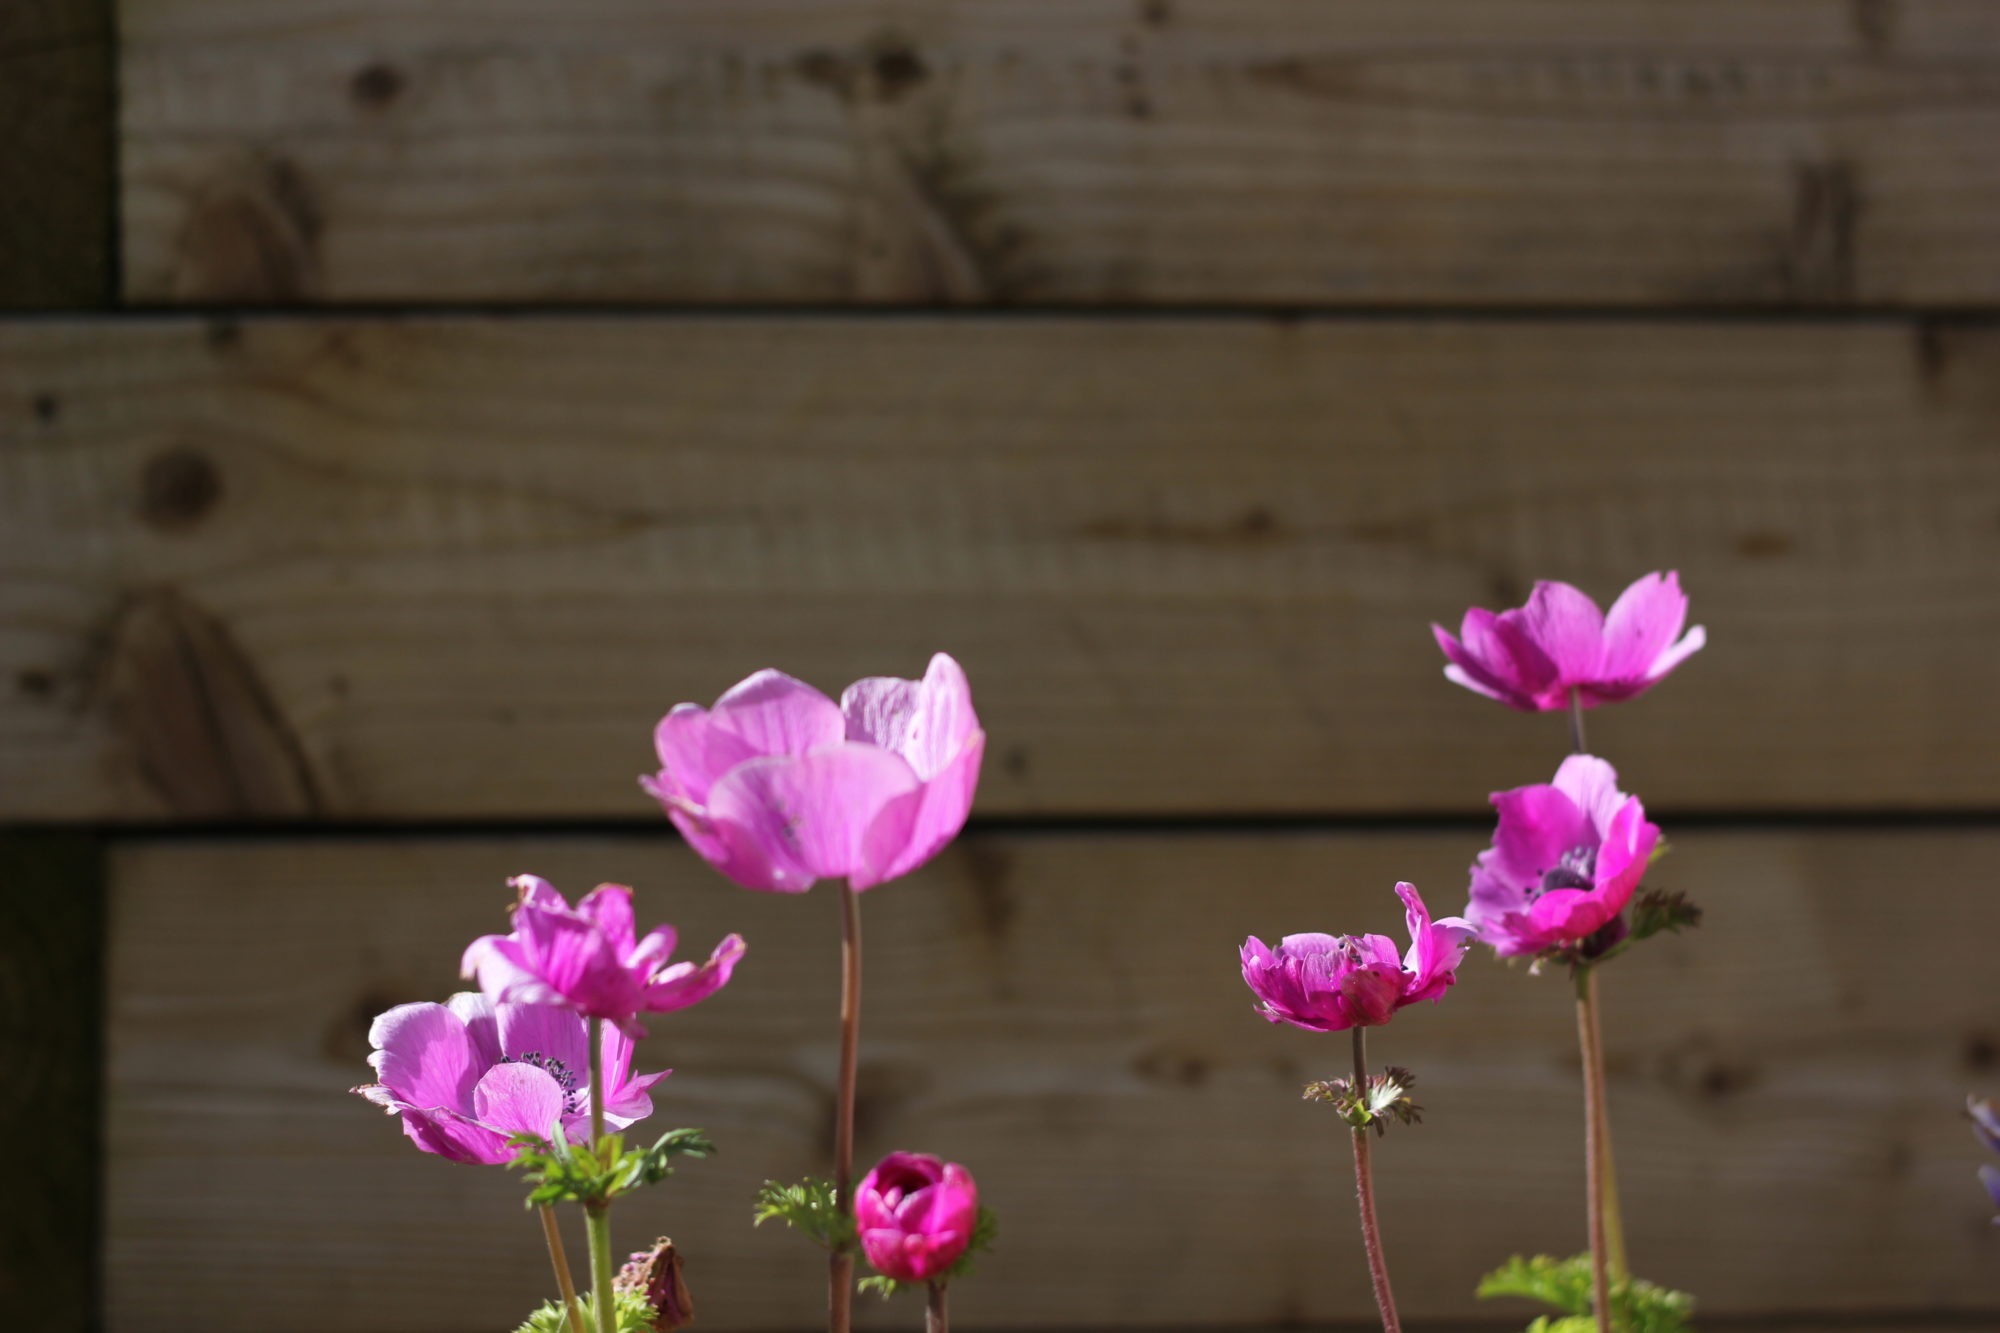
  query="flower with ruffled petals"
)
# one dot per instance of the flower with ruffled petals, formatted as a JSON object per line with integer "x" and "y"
{"x": 467, "y": 1075}
{"x": 1532, "y": 657}
{"x": 1986, "y": 1126}
{"x": 1328, "y": 983}
{"x": 586, "y": 958}
{"x": 778, "y": 786}
{"x": 1564, "y": 861}
{"x": 916, "y": 1215}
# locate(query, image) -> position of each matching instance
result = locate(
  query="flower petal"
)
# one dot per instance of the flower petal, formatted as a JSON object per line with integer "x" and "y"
{"x": 1640, "y": 625}
{"x": 518, "y": 1099}
{"x": 1985, "y": 1121}
{"x": 1435, "y": 949}
{"x": 1563, "y": 915}
{"x": 1622, "y": 860}
{"x": 1538, "y": 824}
{"x": 423, "y": 1056}
{"x": 809, "y": 816}
{"x": 695, "y": 752}
{"x": 1476, "y": 672}
{"x": 549, "y": 1032}
{"x": 631, "y": 1102}
{"x": 775, "y": 714}
{"x": 684, "y": 984}
{"x": 481, "y": 1026}
{"x": 1592, "y": 785}
{"x": 915, "y": 828}
{"x": 1691, "y": 643}
{"x": 927, "y": 722}
{"x": 456, "y": 1137}
{"x": 1568, "y": 628}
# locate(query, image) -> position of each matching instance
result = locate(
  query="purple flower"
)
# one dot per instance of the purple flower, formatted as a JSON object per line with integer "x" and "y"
{"x": 1564, "y": 860}
{"x": 585, "y": 958}
{"x": 778, "y": 786}
{"x": 1531, "y": 658}
{"x": 1986, "y": 1125}
{"x": 1327, "y": 983}
{"x": 916, "y": 1215}
{"x": 466, "y": 1075}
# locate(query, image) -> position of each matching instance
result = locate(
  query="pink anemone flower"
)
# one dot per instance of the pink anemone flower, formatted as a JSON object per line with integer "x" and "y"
{"x": 586, "y": 958}
{"x": 1530, "y": 658}
{"x": 916, "y": 1215}
{"x": 778, "y": 786}
{"x": 1328, "y": 983}
{"x": 1564, "y": 861}
{"x": 467, "y": 1075}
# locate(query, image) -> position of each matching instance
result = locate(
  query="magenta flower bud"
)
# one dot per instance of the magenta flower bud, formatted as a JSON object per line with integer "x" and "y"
{"x": 585, "y": 958}
{"x": 467, "y": 1075}
{"x": 1327, "y": 983}
{"x": 1530, "y": 658}
{"x": 778, "y": 786}
{"x": 1564, "y": 861}
{"x": 916, "y": 1215}
{"x": 655, "y": 1276}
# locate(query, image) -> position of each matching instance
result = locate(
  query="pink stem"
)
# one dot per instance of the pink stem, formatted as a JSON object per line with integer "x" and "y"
{"x": 1364, "y": 1189}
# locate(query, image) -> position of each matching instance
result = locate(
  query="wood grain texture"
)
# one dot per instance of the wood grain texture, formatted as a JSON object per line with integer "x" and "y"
{"x": 56, "y": 153}
{"x": 1062, "y": 1013}
{"x": 51, "y": 1029}
{"x": 458, "y": 568}
{"x": 1703, "y": 153}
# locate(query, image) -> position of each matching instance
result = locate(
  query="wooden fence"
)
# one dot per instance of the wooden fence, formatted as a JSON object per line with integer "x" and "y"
{"x": 403, "y": 404}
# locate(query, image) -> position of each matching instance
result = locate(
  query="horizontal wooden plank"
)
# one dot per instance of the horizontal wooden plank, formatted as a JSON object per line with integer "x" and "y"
{"x": 458, "y": 567}
{"x": 1701, "y": 153}
{"x": 56, "y": 152}
{"x": 1063, "y": 1014}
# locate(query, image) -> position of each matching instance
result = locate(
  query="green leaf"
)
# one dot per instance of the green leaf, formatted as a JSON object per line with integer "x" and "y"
{"x": 1656, "y": 910}
{"x": 812, "y": 1206}
{"x": 559, "y": 1171}
{"x": 1637, "y": 1306}
{"x": 633, "y": 1315}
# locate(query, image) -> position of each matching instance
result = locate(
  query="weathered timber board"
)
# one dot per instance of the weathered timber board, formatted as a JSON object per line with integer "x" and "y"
{"x": 421, "y": 568}
{"x": 51, "y": 1029}
{"x": 1701, "y": 153}
{"x": 56, "y": 151}
{"x": 1063, "y": 1014}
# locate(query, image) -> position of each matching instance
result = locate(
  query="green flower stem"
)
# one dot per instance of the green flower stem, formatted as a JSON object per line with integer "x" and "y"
{"x": 840, "y": 1265}
{"x": 597, "y": 1216}
{"x": 553, "y": 1234}
{"x": 1595, "y": 1147}
{"x": 936, "y": 1319}
{"x": 1364, "y": 1190}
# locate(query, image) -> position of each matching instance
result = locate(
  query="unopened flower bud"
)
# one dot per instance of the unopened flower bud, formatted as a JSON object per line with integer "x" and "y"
{"x": 916, "y": 1215}
{"x": 655, "y": 1276}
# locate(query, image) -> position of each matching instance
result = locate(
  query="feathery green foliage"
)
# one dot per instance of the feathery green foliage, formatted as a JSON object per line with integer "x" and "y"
{"x": 558, "y": 1170}
{"x": 1637, "y": 1306}
{"x": 634, "y": 1316}
{"x": 812, "y": 1206}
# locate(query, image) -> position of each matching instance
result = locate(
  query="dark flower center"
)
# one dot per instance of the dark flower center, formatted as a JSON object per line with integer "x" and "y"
{"x": 1576, "y": 870}
{"x": 564, "y": 1076}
